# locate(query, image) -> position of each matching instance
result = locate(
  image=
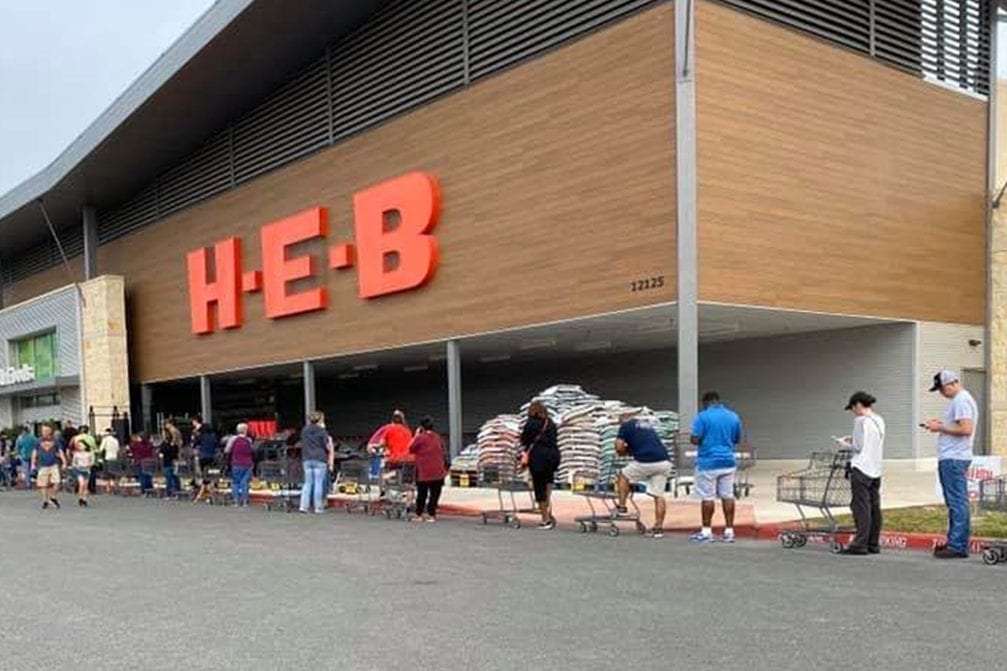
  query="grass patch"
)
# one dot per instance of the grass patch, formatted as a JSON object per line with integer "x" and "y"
{"x": 934, "y": 520}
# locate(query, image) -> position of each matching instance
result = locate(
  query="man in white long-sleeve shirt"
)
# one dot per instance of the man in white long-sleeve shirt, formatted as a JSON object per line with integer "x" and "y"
{"x": 867, "y": 444}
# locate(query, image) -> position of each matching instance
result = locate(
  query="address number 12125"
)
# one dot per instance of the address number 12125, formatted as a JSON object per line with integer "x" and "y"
{"x": 656, "y": 282}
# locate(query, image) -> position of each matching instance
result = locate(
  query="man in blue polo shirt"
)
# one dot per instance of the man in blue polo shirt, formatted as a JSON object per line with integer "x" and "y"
{"x": 716, "y": 430}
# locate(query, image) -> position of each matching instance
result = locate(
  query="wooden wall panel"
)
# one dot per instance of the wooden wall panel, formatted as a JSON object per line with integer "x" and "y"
{"x": 558, "y": 188}
{"x": 830, "y": 182}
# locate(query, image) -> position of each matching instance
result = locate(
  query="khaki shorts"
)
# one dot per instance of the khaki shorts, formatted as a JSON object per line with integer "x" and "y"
{"x": 48, "y": 476}
{"x": 655, "y": 475}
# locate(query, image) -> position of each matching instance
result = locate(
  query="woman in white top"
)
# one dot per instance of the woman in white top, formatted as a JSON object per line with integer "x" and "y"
{"x": 867, "y": 444}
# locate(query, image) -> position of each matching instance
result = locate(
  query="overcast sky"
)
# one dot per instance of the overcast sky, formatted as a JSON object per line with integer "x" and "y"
{"x": 62, "y": 62}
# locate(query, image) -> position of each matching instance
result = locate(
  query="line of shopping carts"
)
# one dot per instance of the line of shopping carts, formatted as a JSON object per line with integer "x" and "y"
{"x": 391, "y": 493}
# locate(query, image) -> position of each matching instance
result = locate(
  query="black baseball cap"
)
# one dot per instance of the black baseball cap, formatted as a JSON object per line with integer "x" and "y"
{"x": 861, "y": 397}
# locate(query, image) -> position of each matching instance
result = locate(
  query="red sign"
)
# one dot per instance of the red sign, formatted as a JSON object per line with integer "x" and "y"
{"x": 394, "y": 251}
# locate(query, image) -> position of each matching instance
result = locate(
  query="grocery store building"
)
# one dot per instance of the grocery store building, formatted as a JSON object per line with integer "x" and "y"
{"x": 448, "y": 206}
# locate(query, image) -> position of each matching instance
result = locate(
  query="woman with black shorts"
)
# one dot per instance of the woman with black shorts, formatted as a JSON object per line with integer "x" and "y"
{"x": 538, "y": 438}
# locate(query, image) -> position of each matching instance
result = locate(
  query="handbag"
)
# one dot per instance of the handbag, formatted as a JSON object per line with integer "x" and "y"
{"x": 526, "y": 454}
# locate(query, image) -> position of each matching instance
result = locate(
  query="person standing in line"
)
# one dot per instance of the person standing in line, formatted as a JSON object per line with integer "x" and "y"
{"x": 650, "y": 464}
{"x": 109, "y": 450}
{"x": 955, "y": 437}
{"x": 541, "y": 456}
{"x": 428, "y": 449}
{"x": 242, "y": 453}
{"x": 26, "y": 445}
{"x": 140, "y": 449}
{"x": 82, "y": 464}
{"x": 168, "y": 454}
{"x": 867, "y": 444}
{"x": 716, "y": 431}
{"x": 205, "y": 443}
{"x": 48, "y": 460}
{"x": 316, "y": 455}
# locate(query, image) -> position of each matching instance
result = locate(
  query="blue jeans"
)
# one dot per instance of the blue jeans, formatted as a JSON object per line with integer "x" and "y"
{"x": 146, "y": 482}
{"x": 171, "y": 480}
{"x": 241, "y": 476}
{"x": 314, "y": 477}
{"x": 956, "y": 497}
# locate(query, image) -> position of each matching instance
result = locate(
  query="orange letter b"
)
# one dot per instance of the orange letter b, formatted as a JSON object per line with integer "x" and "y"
{"x": 406, "y": 256}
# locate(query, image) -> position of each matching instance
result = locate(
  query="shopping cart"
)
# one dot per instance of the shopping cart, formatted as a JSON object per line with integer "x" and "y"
{"x": 509, "y": 486}
{"x": 354, "y": 480}
{"x": 745, "y": 459}
{"x": 284, "y": 479}
{"x": 603, "y": 503}
{"x": 822, "y": 486}
{"x": 993, "y": 498}
{"x": 398, "y": 495}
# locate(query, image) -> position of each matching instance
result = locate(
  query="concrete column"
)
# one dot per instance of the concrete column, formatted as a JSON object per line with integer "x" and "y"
{"x": 685, "y": 150}
{"x": 146, "y": 406}
{"x": 455, "y": 398}
{"x": 205, "y": 401}
{"x": 90, "y": 218}
{"x": 995, "y": 344}
{"x": 310, "y": 400}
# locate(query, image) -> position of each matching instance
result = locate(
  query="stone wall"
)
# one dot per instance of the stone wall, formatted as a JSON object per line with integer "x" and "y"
{"x": 105, "y": 380}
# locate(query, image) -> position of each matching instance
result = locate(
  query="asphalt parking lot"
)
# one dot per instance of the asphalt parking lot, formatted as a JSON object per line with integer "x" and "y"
{"x": 129, "y": 584}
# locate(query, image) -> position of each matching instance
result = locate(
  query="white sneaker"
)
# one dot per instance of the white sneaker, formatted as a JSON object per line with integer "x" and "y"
{"x": 727, "y": 538}
{"x": 700, "y": 537}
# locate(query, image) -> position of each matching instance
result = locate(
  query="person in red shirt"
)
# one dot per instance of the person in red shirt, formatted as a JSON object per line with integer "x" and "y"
{"x": 428, "y": 450}
{"x": 393, "y": 439}
{"x": 141, "y": 449}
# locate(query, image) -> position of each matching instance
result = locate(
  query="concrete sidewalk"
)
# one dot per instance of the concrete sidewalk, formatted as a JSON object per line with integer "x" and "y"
{"x": 903, "y": 485}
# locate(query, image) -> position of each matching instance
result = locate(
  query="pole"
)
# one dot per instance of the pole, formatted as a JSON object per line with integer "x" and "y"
{"x": 205, "y": 401}
{"x": 310, "y": 402}
{"x": 455, "y": 397}
{"x": 90, "y": 222}
{"x": 685, "y": 124}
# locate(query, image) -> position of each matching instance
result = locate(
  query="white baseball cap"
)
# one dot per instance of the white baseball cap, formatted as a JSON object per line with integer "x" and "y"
{"x": 944, "y": 377}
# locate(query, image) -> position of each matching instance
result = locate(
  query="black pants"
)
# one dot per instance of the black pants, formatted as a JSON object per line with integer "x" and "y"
{"x": 92, "y": 481}
{"x": 866, "y": 507}
{"x": 433, "y": 488}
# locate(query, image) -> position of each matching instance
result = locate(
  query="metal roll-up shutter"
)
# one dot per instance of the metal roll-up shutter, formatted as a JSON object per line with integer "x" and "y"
{"x": 410, "y": 54}
{"x": 137, "y": 213}
{"x": 292, "y": 123}
{"x": 501, "y": 34}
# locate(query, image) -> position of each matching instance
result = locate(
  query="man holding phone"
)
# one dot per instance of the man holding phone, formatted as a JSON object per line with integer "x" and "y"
{"x": 955, "y": 436}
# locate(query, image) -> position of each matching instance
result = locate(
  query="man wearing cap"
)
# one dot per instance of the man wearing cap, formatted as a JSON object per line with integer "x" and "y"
{"x": 955, "y": 435}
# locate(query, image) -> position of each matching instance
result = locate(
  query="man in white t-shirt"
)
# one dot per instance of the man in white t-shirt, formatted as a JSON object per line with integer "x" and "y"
{"x": 867, "y": 444}
{"x": 955, "y": 435}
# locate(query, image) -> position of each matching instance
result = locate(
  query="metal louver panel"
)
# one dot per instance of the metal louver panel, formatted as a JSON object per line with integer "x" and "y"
{"x": 410, "y": 54}
{"x": 292, "y": 123}
{"x": 845, "y": 21}
{"x": 502, "y": 34}
{"x": 939, "y": 40}
{"x": 46, "y": 255}
{"x": 207, "y": 173}
{"x": 137, "y": 213}
{"x": 943, "y": 40}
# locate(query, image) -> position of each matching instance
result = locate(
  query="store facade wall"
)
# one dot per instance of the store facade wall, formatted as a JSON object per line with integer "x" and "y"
{"x": 955, "y": 347}
{"x": 546, "y": 172}
{"x": 791, "y": 390}
{"x": 866, "y": 186}
{"x": 43, "y": 335}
